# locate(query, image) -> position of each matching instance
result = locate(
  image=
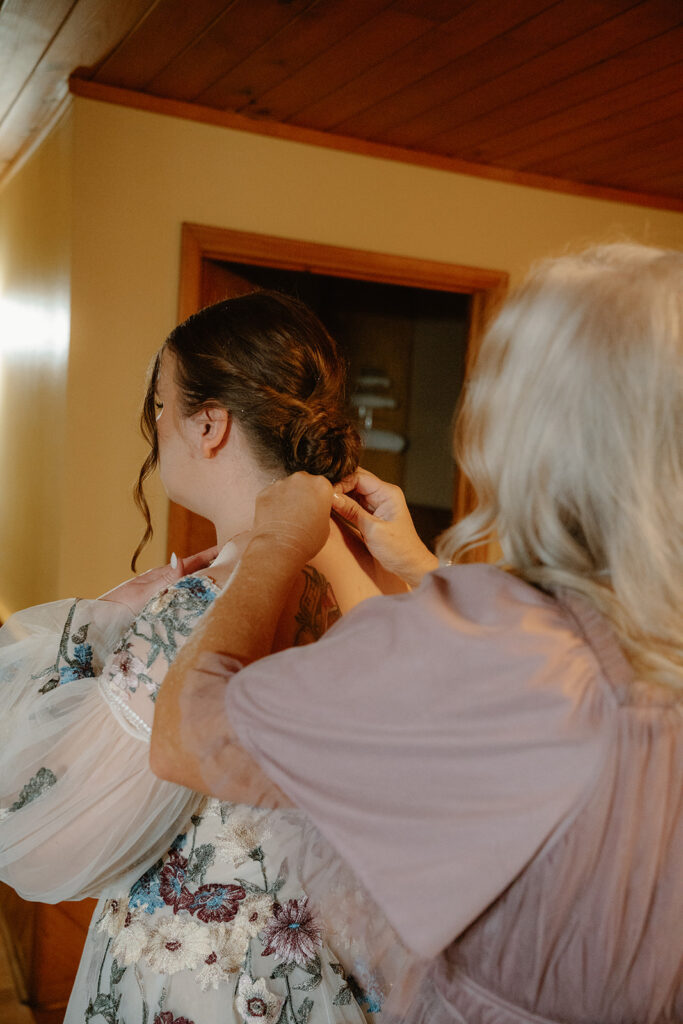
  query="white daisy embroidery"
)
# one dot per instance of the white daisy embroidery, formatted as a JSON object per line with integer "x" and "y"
{"x": 244, "y": 832}
{"x": 212, "y": 974}
{"x": 129, "y": 944}
{"x": 252, "y": 917}
{"x": 255, "y": 1002}
{"x": 230, "y": 948}
{"x": 175, "y": 944}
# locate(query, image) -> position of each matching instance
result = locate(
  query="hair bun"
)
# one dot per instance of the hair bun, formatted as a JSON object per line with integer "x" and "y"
{"x": 320, "y": 444}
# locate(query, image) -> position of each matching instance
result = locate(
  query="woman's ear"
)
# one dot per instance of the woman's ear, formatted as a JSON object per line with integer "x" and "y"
{"x": 213, "y": 427}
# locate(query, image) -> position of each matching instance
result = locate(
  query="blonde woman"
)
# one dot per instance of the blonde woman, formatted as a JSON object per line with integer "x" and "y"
{"x": 497, "y": 755}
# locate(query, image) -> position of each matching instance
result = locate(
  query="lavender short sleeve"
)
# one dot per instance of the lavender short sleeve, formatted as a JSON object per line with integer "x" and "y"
{"x": 438, "y": 739}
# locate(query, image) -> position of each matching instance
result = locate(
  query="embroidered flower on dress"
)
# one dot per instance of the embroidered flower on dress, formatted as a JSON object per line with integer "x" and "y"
{"x": 113, "y": 917}
{"x": 255, "y": 1002}
{"x": 197, "y": 587}
{"x": 157, "y": 603}
{"x": 145, "y": 893}
{"x": 172, "y": 888}
{"x": 245, "y": 831}
{"x": 292, "y": 934}
{"x": 167, "y": 1018}
{"x": 229, "y": 948}
{"x": 126, "y": 671}
{"x": 212, "y": 974}
{"x": 226, "y": 958}
{"x": 175, "y": 944}
{"x": 253, "y": 915}
{"x": 215, "y": 902}
{"x": 80, "y": 665}
{"x": 129, "y": 944}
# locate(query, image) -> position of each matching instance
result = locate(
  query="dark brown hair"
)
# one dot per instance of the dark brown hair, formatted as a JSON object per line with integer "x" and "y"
{"x": 267, "y": 359}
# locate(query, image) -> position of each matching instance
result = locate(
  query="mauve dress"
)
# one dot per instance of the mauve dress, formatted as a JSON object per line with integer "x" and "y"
{"x": 481, "y": 756}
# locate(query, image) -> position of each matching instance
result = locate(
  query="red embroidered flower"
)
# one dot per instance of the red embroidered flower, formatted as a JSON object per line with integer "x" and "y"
{"x": 214, "y": 902}
{"x": 172, "y": 884}
{"x": 292, "y": 934}
{"x": 167, "y": 1018}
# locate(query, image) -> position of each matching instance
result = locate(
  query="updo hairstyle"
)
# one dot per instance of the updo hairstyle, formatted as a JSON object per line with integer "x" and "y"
{"x": 268, "y": 360}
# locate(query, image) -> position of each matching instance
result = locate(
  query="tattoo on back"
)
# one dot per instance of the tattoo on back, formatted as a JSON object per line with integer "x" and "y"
{"x": 318, "y": 608}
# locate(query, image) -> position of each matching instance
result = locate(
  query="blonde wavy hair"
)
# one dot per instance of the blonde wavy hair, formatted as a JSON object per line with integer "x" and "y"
{"x": 571, "y": 432}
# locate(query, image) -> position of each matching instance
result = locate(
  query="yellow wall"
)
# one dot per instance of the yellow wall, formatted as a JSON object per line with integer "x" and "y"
{"x": 138, "y": 176}
{"x": 35, "y": 210}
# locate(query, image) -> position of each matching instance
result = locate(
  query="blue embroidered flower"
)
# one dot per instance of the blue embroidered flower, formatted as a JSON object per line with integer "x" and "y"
{"x": 80, "y": 665}
{"x": 197, "y": 588}
{"x": 146, "y": 891}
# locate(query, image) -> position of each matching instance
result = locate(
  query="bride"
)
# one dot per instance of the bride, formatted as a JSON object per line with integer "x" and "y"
{"x": 203, "y": 911}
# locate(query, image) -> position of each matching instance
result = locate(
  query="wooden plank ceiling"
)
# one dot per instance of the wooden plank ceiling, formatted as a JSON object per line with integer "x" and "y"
{"x": 589, "y": 91}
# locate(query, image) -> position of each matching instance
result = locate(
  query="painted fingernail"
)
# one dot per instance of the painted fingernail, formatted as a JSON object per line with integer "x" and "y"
{"x": 174, "y": 561}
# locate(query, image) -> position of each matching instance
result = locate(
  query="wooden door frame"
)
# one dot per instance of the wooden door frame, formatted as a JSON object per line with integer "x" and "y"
{"x": 200, "y": 242}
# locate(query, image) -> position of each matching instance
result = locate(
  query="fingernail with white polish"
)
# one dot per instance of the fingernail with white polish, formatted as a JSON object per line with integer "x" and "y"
{"x": 174, "y": 561}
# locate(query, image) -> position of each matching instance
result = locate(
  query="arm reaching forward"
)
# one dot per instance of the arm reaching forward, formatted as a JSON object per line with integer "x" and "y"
{"x": 291, "y": 525}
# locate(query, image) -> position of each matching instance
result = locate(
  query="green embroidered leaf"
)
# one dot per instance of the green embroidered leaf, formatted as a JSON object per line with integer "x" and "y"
{"x": 42, "y": 780}
{"x": 116, "y": 973}
{"x": 155, "y": 648}
{"x": 338, "y": 969}
{"x": 256, "y": 854}
{"x": 106, "y": 1006}
{"x": 305, "y": 1011}
{"x": 282, "y": 877}
{"x": 51, "y": 684}
{"x": 312, "y": 983}
{"x": 283, "y": 970}
{"x": 249, "y": 887}
{"x": 284, "y": 1014}
{"x": 202, "y": 858}
{"x": 151, "y": 685}
{"x": 343, "y": 997}
{"x": 312, "y": 966}
{"x": 81, "y": 635}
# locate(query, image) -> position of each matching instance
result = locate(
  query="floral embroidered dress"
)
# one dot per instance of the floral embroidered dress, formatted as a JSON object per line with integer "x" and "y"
{"x": 203, "y": 913}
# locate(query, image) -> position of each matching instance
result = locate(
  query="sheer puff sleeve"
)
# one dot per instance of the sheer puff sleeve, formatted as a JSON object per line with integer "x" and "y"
{"x": 81, "y": 814}
{"x": 438, "y": 740}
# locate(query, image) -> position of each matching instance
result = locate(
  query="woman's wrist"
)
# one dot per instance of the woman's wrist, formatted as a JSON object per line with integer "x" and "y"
{"x": 277, "y": 553}
{"x": 424, "y": 562}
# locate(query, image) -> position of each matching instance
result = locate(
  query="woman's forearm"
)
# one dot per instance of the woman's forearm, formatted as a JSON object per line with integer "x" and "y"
{"x": 241, "y": 623}
{"x": 291, "y": 524}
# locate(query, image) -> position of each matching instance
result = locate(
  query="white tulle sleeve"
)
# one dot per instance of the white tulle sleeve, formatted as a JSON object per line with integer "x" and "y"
{"x": 81, "y": 814}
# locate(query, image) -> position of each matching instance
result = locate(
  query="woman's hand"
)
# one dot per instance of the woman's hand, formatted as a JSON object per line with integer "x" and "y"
{"x": 136, "y": 592}
{"x": 294, "y": 514}
{"x": 379, "y": 513}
